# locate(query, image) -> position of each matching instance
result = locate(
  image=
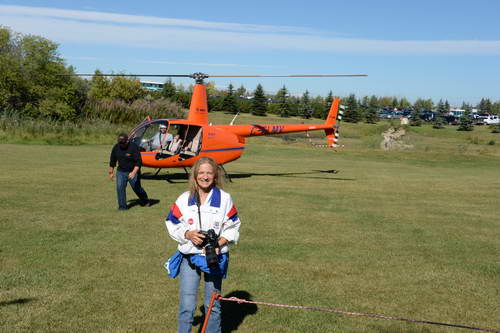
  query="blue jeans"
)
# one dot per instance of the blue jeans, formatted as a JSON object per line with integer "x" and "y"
{"x": 189, "y": 281}
{"x": 121, "y": 186}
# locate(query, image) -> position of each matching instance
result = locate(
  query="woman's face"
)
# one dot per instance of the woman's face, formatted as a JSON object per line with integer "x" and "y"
{"x": 205, "y": 177}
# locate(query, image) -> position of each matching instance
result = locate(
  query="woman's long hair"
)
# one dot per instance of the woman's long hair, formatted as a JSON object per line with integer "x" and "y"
{"x": 218, "y": 174}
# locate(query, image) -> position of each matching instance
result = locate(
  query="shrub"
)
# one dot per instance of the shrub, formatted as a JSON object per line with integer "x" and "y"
{"x": 117, "y": 111}
{"x": 57, "y": 110}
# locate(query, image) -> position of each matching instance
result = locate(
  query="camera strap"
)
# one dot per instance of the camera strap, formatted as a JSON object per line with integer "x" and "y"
{"x": 198, "y": 204}
{"x": 199, "y": 217}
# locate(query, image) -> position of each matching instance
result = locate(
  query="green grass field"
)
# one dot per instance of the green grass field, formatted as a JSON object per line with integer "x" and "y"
{"x": 411, "y": 233}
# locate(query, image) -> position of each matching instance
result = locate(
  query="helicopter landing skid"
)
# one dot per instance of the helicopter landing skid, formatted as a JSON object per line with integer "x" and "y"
{"x": 225, "y": 173}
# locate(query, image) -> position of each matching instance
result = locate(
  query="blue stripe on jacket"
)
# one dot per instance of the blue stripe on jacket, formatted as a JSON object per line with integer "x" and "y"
{"x": 214, "y": 200}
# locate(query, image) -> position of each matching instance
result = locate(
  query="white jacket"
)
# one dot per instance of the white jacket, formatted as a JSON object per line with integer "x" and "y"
{"x": 217, "y": 212}
{"x": 161, "y": 140}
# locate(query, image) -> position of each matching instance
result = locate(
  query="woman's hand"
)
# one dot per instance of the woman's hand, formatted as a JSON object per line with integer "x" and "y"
{"x": 194, "y": 236}
{"x": 222, "y": 242}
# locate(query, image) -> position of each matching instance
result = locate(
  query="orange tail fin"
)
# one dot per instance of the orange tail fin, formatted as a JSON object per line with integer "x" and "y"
{"x": 198, "y": 110}
{"x": 331, "y": 119}
{"x": 332, "y": 134}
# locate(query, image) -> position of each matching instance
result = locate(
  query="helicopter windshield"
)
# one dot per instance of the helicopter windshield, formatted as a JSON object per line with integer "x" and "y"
{"x": 154, "y": 136}
{"x": 167, "y": 140}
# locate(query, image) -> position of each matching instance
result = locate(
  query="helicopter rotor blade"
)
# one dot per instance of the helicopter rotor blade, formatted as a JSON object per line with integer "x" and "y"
{"x": 196, "y": 75}
{"x": 144, "y": 75}
{"x": 308, "y": 75}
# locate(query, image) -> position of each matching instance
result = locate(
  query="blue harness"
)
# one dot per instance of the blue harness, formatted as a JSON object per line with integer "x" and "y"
{"x": 173, "y": 264}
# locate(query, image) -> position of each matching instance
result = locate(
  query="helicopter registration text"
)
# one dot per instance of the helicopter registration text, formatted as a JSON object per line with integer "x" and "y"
{"x": 266, "y": 129}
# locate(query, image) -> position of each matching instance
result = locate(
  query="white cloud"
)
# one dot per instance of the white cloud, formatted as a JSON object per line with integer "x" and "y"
{"x": 165, "y": 62}
{"x": 123, "y": 19}
{"x": 90, "y": 27}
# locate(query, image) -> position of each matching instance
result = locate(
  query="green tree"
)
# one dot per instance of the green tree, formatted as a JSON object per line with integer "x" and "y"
{"x": 485, "y": 105}
{"x": 423, "y": 104}
{"x": 259, "y": 103}
{"x": 495, "y": 108}
{"x": 363, "y": 103}
{"x": 371, "y": 116}
{"x": 305, "y": 106}
{"x": 294, "y": 106}
{"x": 244, "y": 105}
{"x": 183, "y": 96}
{"x": 385, "y": 102}
{"x": 34, "y": 79}
{"x": 119, "y": 87}
{"x": 352, "y": 114}
{"x": 395, "y": 103}
{"x": 374, "y": 102}
{"x": 169, "y": 91}
{"x": 439, "y": 119}
{"x": 466, "y": 122}
{"x": 229, "y": 103}
{"x": 212, "y": 90}
{"x": 283, "y": 102}
{"x": 100, "y": 86}
{"x": 404, "y": 104}
{"x": 415, "y": 118}
{"x": 317, "y": 106}
{"x": 214, "y": 103}
{"x": 126, "y": 89}
{"x": 327, "y": 105}
{"x": 446, "y": 107}
{"x": 241, "y": 92}
{"x": 215, "y": 98}
{"x": 466, "y": 107}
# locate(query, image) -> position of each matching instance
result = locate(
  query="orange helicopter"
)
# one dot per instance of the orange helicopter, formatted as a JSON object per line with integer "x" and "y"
{"x": 182, "y": 142}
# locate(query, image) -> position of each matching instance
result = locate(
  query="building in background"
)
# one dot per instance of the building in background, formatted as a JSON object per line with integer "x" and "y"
{"x": 151, "y": 85}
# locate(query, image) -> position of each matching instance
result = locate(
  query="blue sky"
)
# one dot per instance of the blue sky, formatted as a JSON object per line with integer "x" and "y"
{"x": 429, "y": 49}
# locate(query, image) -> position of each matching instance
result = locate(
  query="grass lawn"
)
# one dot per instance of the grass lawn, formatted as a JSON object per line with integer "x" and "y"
{"x": 412, "y": 233}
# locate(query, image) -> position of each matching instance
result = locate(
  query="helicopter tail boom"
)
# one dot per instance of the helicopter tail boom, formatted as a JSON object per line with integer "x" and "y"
{"x": 329, "y": 126}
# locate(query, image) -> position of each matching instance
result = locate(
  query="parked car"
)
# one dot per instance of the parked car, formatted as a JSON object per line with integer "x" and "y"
{"x": 452, "y": 120}
{"x": 479, "y": 119}
{"x": 487, "y": 119}
{"x": 492, "y": 120}
{"x": 427, "y": 115}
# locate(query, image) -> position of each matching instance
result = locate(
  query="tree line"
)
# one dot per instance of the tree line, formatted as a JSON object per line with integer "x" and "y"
{"x": 36, "y": 82}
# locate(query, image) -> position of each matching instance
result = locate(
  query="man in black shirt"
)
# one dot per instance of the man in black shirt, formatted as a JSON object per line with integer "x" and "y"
{"x": 129, "y": 171}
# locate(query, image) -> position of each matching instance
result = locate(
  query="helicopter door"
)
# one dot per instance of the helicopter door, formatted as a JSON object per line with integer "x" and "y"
{"x": 192, "y": 141}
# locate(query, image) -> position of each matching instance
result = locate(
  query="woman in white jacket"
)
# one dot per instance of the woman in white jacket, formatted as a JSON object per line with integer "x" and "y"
{"x": 205, "y": 206}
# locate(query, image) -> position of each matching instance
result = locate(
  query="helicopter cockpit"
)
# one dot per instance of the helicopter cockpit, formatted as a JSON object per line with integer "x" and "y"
{"x": 168, "y": 139}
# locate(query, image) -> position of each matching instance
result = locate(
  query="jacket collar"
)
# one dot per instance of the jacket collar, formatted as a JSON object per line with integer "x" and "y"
{"x": 213, "y": 198}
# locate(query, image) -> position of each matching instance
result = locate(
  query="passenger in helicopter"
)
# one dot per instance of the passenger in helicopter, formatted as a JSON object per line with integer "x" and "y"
{"x": 161, "y": 140}
{"x": 192, "y": 147}
{"x": 175, "y": 145}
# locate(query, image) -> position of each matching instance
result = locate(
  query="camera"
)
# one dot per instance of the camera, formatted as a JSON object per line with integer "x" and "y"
{"x": 210, "y": 244}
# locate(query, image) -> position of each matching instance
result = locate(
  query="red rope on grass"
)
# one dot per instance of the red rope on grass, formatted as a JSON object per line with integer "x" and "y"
{"x": 239, "y": 301}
